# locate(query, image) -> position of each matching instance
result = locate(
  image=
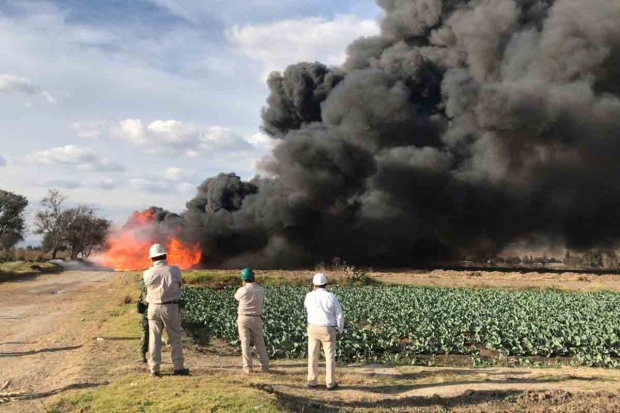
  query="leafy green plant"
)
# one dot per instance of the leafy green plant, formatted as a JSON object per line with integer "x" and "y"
{"x": 397, "y": 323}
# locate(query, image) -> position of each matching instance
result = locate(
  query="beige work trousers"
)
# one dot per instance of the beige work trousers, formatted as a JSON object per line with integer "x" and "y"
{"x": 251, "y": 332}
{"x": 166, "y": 316}
{"x": 325, "y": 336}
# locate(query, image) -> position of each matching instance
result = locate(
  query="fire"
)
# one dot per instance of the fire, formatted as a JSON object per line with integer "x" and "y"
{"x": 128, "y": 247}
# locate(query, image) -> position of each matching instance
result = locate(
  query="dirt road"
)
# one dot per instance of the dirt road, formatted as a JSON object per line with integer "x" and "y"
{"x": 41, "y": 335}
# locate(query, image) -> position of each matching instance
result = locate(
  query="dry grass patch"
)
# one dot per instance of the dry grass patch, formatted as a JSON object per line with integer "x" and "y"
{"x": 11, "y": 271}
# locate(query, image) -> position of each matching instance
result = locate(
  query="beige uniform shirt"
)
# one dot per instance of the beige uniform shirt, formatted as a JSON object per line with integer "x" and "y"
{"x": 163, "y": 283}
{"x": 250, "y": 297}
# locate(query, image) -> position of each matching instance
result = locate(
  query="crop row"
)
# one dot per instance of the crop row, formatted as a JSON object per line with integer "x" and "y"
{"x": 396, "y": 324}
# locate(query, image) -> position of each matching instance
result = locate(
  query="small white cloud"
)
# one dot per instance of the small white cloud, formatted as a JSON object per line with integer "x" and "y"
{"x": 162, "y": 186}
{"x": 49, "y": 97}
{"x": 62, "y": 183}
{"x": 21, "y": 85}
{"x": 285, "y": 42}
{"x": 16, "y": 84}
{"x": 261, "y": 140}
{"x": 102, "y": 183}
{"x": 173, "y": 173}
{"x": 87, "y": 130}
{"x": 186, "y": 188}
{"x": 72, "y": 155}
{"x": 149, "y": 185}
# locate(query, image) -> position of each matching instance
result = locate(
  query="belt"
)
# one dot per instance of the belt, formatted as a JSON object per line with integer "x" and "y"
{"x": 250, "y": 315}
{"x": 170, "y": 302}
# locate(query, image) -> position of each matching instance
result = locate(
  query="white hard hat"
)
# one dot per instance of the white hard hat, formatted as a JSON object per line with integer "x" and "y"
{"x": 157, "y": 250}
{"x": 319, "y": 279}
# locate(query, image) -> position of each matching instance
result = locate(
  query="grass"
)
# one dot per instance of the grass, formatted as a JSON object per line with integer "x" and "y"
{"x": 141, "y": 393}
{"x": 10, "y": 271}
{"x": 220, "y": 278}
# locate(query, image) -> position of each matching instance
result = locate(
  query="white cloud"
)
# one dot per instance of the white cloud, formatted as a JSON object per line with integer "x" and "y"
{"x": 60, "y": 183}
{"x": 102, "y": 182}
{"x": 21, "y": 85}
{"x": 261, "y": 140}
{"x": 87, "y": 130}
{"x": 149, "y": 185}
{"x": 177, "y": 137}
{"x": 285, "y": 42}
{"x": 72, "y": 155}
{"x": 15, "y": 84}
{"x": 174, "y": 174}
{"x": 187, "y": 188}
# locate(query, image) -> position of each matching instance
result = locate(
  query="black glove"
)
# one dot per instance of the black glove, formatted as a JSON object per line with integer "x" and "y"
{"x": 141, "y": 307}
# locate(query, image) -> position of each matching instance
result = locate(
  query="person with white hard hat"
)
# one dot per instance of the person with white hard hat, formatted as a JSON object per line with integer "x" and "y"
{"x": 163, "y": 285}
{"x": 325, "y": 323}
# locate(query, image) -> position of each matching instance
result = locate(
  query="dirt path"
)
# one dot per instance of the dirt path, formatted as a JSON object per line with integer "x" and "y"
{"x": 41, "y": 333}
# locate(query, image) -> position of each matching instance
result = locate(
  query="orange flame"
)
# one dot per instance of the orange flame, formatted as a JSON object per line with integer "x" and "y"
{"x": 128, "y": 248}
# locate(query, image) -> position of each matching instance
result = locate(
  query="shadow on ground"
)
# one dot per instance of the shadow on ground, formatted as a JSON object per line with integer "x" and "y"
{"x": 43, "y": 350}
{"x": 41, "y": 395}
{"x": 292, "y": 398}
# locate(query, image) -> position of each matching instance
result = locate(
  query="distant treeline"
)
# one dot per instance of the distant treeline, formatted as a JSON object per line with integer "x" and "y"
{"x": 593, "y": 260}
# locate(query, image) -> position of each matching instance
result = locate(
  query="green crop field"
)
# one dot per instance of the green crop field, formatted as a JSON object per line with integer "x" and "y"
{"x": 396, "y": 324}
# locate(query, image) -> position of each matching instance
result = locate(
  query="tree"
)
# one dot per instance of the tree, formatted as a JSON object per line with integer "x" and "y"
{"x": 77, "y": 229}
{"x": 85, "y": 232}
{"x": 49, "y": 221}
{"x": 12, "y": 220}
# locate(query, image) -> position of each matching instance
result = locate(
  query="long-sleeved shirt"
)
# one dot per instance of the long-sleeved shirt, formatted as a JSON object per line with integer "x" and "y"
{"x": 163, "y": 283}
{"x": 324, "y": 309}
{"x": 250, "y": 297}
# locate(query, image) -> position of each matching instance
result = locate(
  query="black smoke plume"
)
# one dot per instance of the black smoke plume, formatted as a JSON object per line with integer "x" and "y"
{"x": 464, "y": 126}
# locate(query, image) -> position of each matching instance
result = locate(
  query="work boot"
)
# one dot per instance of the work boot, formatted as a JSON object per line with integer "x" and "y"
{"x": 182, "y": 372}
{"x": 155, "y": 374}
{"x": 334, "y": 387}
{"x": 144, "y": 360}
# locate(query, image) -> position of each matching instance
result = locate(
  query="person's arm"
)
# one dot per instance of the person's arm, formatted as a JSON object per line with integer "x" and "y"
{"x": 339, "y": 315}
{"x": 239, "y": 294}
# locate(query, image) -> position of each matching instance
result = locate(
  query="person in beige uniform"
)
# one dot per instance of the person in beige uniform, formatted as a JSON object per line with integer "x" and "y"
{"x": 163, "y": 287}
{"x": 251, "y": 296}
{"x": 325, "y": 323}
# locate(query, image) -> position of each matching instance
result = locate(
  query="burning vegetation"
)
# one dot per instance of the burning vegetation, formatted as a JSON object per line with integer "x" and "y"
{"x": 127, "y": 247}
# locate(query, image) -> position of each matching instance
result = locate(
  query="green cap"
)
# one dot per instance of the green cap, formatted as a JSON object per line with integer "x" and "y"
{"x": 247, "y": 274}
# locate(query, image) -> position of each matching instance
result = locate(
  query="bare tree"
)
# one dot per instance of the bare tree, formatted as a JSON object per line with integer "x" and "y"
{"x": 12, "y": 221}
{"x": 49, "y": 221}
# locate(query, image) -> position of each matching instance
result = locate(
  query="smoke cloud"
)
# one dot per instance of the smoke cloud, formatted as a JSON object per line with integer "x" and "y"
{"x": 464, "y": 126}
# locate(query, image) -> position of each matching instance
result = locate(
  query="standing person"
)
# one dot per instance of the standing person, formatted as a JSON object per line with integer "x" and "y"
{"x": 251, "y": 296}
{"x": 163, "y": 286}
{"x": 144, "y": 321}
{"x": 325, "y": 322}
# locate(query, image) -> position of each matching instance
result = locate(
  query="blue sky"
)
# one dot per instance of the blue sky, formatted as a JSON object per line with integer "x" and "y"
{"x": 126, "y": 104}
